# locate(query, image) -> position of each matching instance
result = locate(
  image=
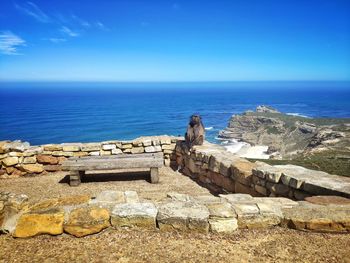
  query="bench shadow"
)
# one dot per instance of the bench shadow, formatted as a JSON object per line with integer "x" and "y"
{"x": 110, "y": 177}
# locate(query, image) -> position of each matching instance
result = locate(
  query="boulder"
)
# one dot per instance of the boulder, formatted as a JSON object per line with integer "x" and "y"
{"x": 134, "y": 215}
{"x": 41, "y": 222}
{"x": 86, "y": 221}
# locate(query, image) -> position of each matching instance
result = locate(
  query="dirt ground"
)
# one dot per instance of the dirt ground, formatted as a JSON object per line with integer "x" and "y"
{"x": 55, "y": 185}
{"x": 272, "y": 245}
{"x": 268, "y": 245}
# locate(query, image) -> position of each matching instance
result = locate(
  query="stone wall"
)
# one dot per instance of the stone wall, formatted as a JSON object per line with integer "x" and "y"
{"x": 20, "y": 158}
{"x": 223, "y": 172}
{"x": 211, "y": 165}
{"x": 83, "y": 215}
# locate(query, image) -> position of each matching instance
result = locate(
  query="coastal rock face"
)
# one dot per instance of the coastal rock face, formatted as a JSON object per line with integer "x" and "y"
{"x": 287, "y": 134}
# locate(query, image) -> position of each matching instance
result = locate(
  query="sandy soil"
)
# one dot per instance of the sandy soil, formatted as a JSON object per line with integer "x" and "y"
{"x": 55, "y": 185}
{"x": 273, "y": 245}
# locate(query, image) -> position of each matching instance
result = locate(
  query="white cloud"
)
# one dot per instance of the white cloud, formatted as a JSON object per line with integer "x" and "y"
{"x": 101, "y": 26}
{"x": 56, "y": 40}
{"x": 68, "y": 31}
{"x": 9, "y": 43}
{"x": 81, "y": 21}
{"x": 34, "y": 11}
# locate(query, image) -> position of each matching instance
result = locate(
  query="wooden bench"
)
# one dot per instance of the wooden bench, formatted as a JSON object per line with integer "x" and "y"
{"x": 79, "y": 165}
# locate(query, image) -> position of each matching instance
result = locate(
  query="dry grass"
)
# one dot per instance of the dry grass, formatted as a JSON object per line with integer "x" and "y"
{"x": 272, "y": 245}
{"x": 55, "y": 185}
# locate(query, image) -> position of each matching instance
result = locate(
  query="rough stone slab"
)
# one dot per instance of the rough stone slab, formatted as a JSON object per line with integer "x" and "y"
{"x": 43, "y": 222}
{"x": 183, "y": 216}
{"x": 328, "y": 200}
{"x": 221, "y": 210}
{"x": 244, "y": 209}
{"x": 107, "y": 147}
{"x": 315, "y": 182}
{"x": 86, "y": 221}
{"x": 134, "y": 215}
{"x": 131, "y": 197}
{"x": 207, "y": 199}
{"x": 58, "y": 202}
{"x": 33, "y": 150}
{"x": 109, "y": 197}
{"x": 308, "y": 216}
{"x": 90, "y": 147}
{"x": 223, "y": 225}
{"x": 17, "y": 146}
{"x": 180, "y": 197}
{"x": 234, "y": 198}
{"x": 46, "y": 159}
{"x": 32, "y": 168}
{"x": 10, "y": 161}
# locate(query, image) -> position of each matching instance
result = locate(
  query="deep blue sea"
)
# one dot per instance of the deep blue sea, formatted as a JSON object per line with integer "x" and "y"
{"x": 86, "y": 112}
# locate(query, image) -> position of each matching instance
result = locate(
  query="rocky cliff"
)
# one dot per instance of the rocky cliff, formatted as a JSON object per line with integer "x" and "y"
{"x": 288, "y": 135}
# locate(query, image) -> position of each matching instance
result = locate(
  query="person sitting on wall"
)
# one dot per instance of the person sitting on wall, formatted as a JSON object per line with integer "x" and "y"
{"x": 195, "y": 133}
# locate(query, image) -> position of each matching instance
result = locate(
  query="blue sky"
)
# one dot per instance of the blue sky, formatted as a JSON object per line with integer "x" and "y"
{"x": 131, "y": 40}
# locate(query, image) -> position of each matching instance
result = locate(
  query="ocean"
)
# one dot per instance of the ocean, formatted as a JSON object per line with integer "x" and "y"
{"x": 43, "y": 113}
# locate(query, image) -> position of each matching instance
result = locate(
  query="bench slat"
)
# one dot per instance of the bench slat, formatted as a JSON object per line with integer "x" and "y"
{"x": 93, "y": 163}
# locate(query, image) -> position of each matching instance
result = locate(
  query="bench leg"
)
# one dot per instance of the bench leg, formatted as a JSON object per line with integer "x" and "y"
{"x": 154, "y": 175}
{"x": 75, "y": 177}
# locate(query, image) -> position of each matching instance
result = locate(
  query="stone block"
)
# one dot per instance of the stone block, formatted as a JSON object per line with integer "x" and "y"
{"x": 32, "y": 168}
{"x": 52, "y": 168}
{"x": 136, "y": 150}
{"x": 235, "y": 198}
{"x": 68, "y": 147}
{"x": 105, "y": 153}
{"x": 65, "y": 154}
{"x": 33, "y": 150}
{"x": 94, "y": 153}
{"x": 53, "y": 147}
{"x": 279, "y": 189}
{"x": 86, "y": 221}
{"x": 153, "y": 149}
{"x": 126, "y": 146}
{"x": 116, "y": 151}
{"x": 262, "y": 190}
{"x": 58, "y": 202}
{"x": 183, "y": 216}
{"x": 134, "y": 215}
{"x": 221, "y": 210}
{"x": 170, "y": 147}
{"x": 10, "y": 161}
{"x": 17, "y": 146}
{"x": 223, "y": 225}
{"x": 91, "y": 147}
{"x": 108, "y": 199}
{"x": 42, "y": 222}
{"x": 131, "y": 197}
{"x": 107, "y": 147}
{"x": 29, "y": 160}
{"x": 46, "y": 159}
